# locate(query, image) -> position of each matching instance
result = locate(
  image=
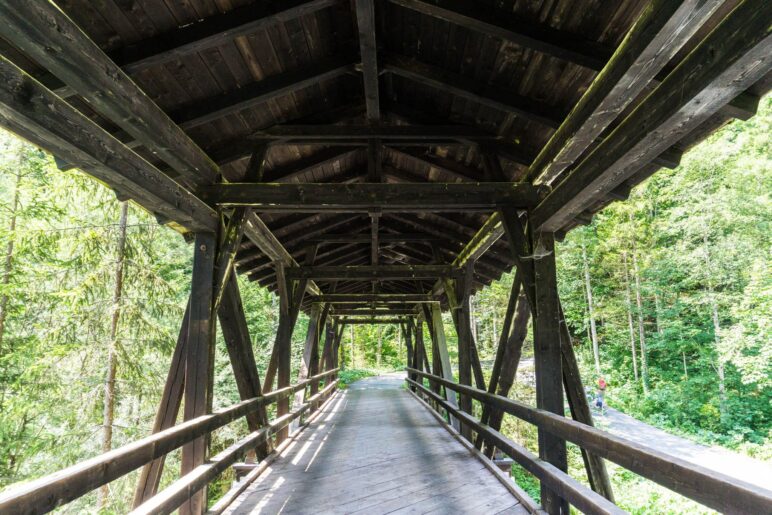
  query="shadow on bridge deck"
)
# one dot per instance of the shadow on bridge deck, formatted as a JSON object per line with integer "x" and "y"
{"x": 376, "y": 450}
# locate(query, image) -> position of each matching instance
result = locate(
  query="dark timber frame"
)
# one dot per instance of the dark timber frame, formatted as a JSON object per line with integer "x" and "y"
{"x": 367, "y": 175}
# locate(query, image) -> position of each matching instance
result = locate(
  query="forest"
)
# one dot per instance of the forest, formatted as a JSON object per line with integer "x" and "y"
{"x": 668, "y": 297}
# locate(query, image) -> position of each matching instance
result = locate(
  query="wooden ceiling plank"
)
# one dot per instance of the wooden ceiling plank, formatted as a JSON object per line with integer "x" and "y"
{"x": 47, "y": 35}
{"x": 485, "y": 94}
{"x": 500, "y": 24}
{"x": 736, "y": 54}
{"x": 250, "y": 95}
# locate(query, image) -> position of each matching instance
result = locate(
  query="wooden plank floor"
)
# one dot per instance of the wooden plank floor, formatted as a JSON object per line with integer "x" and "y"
{"x": 376, "y": 450}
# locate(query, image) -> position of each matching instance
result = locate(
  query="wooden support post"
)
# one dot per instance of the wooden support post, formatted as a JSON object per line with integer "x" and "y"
{"x": 283, "y": 352}
{"x": 407, "y": 333}
{"x": 312, "y": 337}
{"x": 199, "y": 359}
{"x": 314, "y": 363}
{"x": 326, "y": 359}
{"x": 462, "y": 319}
{"x": 438, "y": 329}
{"x": 436, "y": 359}
{"x": 548, "y": 371}
{"x": 423, "y": 357}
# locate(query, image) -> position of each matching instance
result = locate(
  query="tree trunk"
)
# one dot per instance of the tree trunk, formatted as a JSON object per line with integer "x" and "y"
{"x": 494, "y": 331}
{"x": 473, "y": 319}
{"x": 108, "y": 414}
{"x": 351, "y": 344}
{"x": 716, "y": 332}
{"x": 630, "y": 316}
{"x": 686, "y": 372}
{"x": 590, "y": 309}
{"x": 380, "y": 346}
{"x": 8, "y": 263}
{"x": 658, "y": 313}
{"x": 639, "y": 304}
{"x": 399, "y": 343}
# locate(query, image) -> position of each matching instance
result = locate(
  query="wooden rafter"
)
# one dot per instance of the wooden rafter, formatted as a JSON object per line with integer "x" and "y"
{"x": 35, "y": 113}
{"x": 730, "y": 59}
{"x": 658, "y": 34}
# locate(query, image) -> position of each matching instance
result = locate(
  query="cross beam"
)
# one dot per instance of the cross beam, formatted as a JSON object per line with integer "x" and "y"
{"x": 371, "y": 273}
{"x": 383, "y": 238}
{"x": 376, "y": 312}
{"x": 405, "y": 133}
{"x": 369, "y": 196}
{"x": 362, "y": 321}
{"x": 381, "y": 298}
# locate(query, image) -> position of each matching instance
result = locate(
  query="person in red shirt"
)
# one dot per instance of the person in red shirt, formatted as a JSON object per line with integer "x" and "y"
{"x": 601, "y": 397}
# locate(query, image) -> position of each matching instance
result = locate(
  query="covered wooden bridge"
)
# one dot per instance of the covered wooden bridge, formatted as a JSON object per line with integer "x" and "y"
{"x": 377, "y": 161}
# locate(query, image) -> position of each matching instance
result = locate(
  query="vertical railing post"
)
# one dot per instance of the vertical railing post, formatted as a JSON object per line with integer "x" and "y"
{"x": 199, "y": 359}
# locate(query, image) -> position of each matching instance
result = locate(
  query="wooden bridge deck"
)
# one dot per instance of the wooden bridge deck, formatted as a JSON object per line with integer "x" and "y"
{"x": 376, "y": 450}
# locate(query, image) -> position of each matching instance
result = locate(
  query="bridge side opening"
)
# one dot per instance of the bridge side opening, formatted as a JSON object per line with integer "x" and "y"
{"x": 339, "y": 164}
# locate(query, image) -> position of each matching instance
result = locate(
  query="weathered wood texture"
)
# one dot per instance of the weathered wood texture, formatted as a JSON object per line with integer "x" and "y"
{"x": 199, "y": 359}
{"x": 48, "y": 492}
{"x": 557, "y": 480}
{"x": 730, "y": 59}
{"x": 366, "y": 197}
{"x": 715, "y": 490}
{"x": 400, "y": 93}
{"x": 362, "y": 458}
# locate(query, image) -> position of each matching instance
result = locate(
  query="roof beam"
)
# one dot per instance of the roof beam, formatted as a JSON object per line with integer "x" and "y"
{"x": 213, "y": 31}
{"x": 500, "y": 24}
{"x": 365, "y": 13}
{"x": 256, "y": 93}
{"x": 365, "y": 238}
{"x": 376, "y": 312}
{"x": 480, "y": 92}
{"x": 362, "y": 321}
{"x": 367, "y": 197}
{"x": 295, "y": 134}
{"x": 383, "y": 298}
{"x": 736, "y": 54}
{"x": 657, "y": 35}
{"x": 47, "y": 35}
{"x": 38, "y": 115}
{"x": 371, "y": 273}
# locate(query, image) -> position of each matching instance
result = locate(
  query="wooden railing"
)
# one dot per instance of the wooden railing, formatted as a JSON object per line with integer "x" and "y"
{"x": 54, "y": 490}
{"x": 713, "y": 489}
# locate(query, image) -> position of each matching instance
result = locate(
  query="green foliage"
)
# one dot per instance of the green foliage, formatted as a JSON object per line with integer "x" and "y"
{"x": 350, "y": 375}
{"x": 694, "y": 242}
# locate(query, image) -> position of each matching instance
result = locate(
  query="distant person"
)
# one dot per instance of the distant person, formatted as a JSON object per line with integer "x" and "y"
{"x": 601, "y": 397}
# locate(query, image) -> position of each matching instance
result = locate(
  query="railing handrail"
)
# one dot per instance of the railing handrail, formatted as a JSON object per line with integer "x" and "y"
{"x": 558, "y": 481}
{"x": 175, "y": 494}
{"x": 48, "y": 492}
{"x": 713, "y": 489}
